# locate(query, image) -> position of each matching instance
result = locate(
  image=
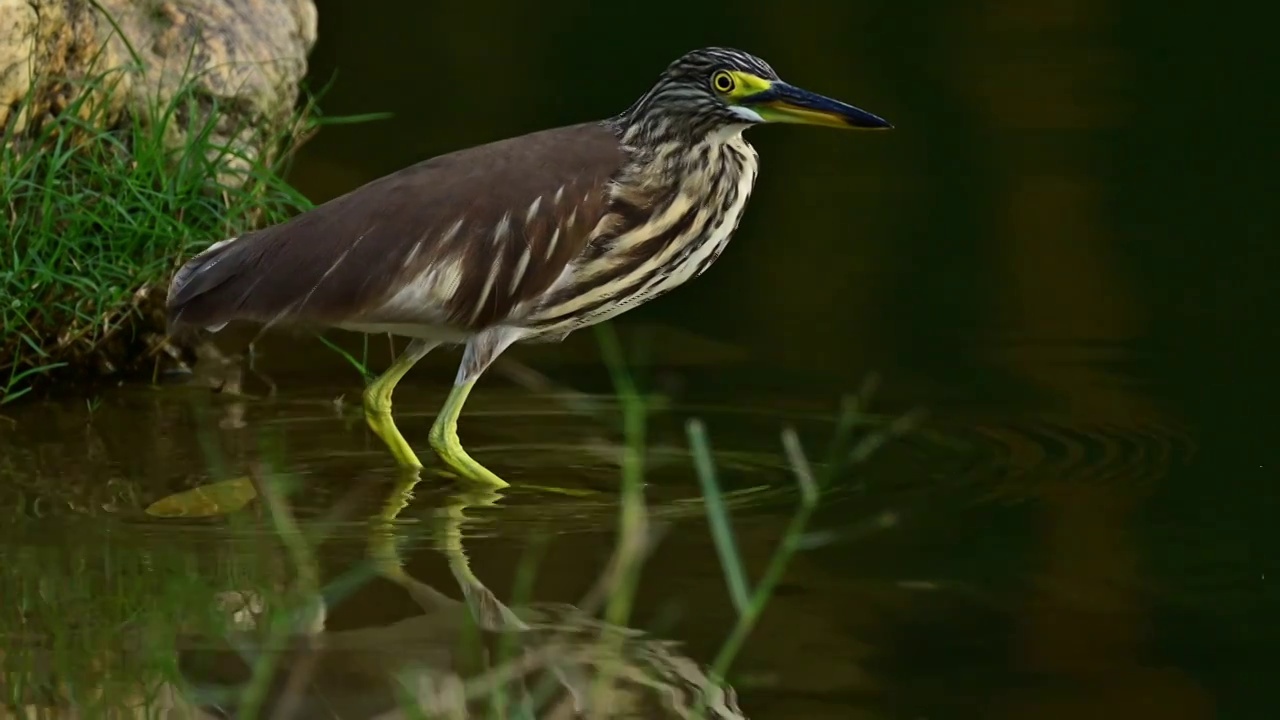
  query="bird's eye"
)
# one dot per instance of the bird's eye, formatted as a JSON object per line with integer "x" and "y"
{"x": 722, "y": 81}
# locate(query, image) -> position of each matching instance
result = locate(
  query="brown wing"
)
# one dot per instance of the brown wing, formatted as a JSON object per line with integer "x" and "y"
{"x": 459, "y": 240}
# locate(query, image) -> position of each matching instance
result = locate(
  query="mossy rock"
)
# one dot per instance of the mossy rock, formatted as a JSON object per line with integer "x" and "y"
{"x": 134, "y": 134}
{"x": 243, "y": 59}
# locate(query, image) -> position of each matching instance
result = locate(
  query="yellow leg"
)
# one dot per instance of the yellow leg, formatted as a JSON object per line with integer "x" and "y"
{"x": 377, "y": 403}
{"x": 444, "y": 439}
{"x": 481, "y": 350}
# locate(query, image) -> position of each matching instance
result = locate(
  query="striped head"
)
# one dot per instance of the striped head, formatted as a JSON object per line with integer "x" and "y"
{"x": 713, "y": 88}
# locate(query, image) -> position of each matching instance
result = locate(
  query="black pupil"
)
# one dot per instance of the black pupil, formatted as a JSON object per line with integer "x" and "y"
{"x": 723, "y": 82}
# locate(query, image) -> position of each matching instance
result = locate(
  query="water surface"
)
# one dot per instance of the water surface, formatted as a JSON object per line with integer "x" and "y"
{"x": 1055, "y": 254}
{"x": 959, "y": 566}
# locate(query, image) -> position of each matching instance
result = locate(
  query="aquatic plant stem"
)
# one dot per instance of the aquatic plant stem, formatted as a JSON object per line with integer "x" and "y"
{"x": 632, "y": 514}
{"x": 778, "y": 562}
{"x": 750, "y": 604}
{"x": 718, "y": 515}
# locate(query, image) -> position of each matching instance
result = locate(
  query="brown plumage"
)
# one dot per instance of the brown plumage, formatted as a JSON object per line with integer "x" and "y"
{"x": 442, "y": 226}
{"x": 523, "y": 239}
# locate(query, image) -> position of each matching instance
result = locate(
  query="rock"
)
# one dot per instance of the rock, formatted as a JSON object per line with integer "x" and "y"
{"x": 247, "y": 56}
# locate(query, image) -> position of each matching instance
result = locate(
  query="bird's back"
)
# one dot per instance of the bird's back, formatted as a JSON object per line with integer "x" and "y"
{"x": 454, "y": 242}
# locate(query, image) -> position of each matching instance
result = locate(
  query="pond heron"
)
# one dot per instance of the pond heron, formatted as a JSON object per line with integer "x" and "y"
{"x": 520, "y": 240}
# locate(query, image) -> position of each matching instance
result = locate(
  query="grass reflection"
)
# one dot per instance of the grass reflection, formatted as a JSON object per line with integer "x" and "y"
{"x": 236, "y": 621}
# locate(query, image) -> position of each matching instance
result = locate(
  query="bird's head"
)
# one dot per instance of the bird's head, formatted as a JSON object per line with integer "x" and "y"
{"x": 716, "y": 87}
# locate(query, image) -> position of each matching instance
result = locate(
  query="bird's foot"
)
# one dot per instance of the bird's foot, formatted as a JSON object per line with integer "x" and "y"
{"x": 444, "y": 440}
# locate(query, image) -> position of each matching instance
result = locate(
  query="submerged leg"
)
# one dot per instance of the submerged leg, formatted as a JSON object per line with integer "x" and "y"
{"x": 377, "y": 402}
{"x": 482, "y": 350}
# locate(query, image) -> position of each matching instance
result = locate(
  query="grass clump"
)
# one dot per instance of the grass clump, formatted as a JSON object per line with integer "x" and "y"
{"x": 99, "y": 206}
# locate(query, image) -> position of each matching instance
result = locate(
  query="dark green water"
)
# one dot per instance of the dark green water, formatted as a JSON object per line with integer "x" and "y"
{"x": 1063, "y": 252}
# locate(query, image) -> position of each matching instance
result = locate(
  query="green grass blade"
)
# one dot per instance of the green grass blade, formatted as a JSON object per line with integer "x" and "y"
{"x": 718, "y": 516}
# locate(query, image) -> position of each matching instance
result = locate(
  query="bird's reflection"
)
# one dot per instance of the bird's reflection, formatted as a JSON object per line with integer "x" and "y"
{"x": 455, "y": 658}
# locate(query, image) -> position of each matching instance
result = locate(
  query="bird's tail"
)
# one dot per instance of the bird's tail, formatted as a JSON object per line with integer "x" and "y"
{"x": 188, "y": 302}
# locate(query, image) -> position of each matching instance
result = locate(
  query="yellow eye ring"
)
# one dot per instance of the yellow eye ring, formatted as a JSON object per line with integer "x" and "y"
{"x": 722, "y": 82}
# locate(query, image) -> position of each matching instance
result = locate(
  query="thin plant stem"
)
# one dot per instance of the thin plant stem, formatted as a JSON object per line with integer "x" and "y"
{"x": 632, "y": 515}
{"x": 718, "y": 516}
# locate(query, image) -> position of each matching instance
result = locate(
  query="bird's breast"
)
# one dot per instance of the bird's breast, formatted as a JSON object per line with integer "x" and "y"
{"x": 673, "y": 241}
{"x": 722, "y": 222}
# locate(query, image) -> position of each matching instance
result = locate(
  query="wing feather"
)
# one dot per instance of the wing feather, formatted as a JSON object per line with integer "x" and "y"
{"x": 462, "y": 240}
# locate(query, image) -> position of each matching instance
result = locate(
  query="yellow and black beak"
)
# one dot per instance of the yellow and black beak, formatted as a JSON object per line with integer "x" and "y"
{"x": 781, "y": 102}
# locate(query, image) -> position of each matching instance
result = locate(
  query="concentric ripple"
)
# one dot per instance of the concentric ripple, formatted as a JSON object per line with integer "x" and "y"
{"x": 542, "y": 444}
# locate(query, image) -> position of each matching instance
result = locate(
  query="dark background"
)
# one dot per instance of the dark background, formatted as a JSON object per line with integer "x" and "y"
{"x": 1074, "y": 222}
{"x": 1077, "y": 171}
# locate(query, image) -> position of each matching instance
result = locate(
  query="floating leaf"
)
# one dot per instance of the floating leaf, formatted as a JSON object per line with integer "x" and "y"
{"x": 219, "y": 498}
